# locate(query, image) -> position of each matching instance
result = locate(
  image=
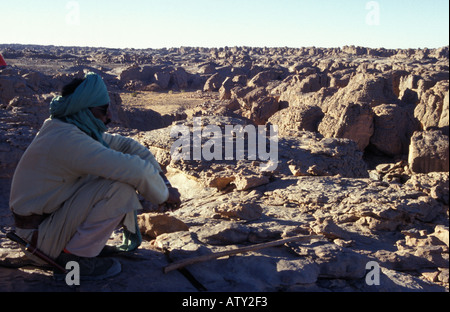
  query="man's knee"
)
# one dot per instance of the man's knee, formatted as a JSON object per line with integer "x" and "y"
{"x": 122, "y": 194}
{"x": 122, "y": 189}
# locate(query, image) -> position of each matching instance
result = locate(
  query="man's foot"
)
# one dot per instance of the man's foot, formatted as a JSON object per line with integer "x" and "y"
{"x": 91, "y": 269}
{"x": 109, "y": 251}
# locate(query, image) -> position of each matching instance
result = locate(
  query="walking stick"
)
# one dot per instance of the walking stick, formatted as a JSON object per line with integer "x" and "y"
{"x": 183, "y": 263}
{"x": 34, "y": 251}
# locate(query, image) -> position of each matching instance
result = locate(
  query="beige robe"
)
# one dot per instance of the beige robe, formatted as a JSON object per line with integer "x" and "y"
{"x": 66, "y": 173}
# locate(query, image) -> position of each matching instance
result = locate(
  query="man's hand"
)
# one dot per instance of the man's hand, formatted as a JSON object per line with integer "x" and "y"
{"x": 174, "y": 197}
{"x": 173, "y": 202}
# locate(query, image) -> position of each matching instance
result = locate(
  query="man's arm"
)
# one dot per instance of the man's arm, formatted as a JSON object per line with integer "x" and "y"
{"x": 82, "y": 155}
{"x": 132, "y": 147}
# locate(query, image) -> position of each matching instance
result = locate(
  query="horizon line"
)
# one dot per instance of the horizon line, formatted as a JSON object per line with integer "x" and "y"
{"x": 220, "y": 47}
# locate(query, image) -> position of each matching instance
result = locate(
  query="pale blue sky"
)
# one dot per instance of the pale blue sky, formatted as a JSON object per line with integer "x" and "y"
{"x": 218, "y": 23}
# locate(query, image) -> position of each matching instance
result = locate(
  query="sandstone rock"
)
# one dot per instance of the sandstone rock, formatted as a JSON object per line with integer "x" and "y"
{"x": 444, "y": 120}
{"x": 366, "y": 89}
{"x": 154, "y": 224}
{"x": 221, "y": 181}
{"x": 131, "y": 73}
{"x": 312, "y": 83}
{"x": 240, "y": 211}
{"x": 12, "y": 86}
{"x": 392, "y": 172}
{"x": 162, "y": 79}
{"x": 312, "y": 155}
{"x": 225, "y": 233}
{"x": 180, "y": 245}
{"x": 428, "y": 152}
{"x": 330, "y": 230}
{"x": 435, "y": 184}
{"x": 240, "y": 80}
{"x": 294, "y": 119}
{"x": 339, "y": 79}
{"x": 179, "y": 78}
{"x": 333, "y": 261}
{"x": 393, "y": 128}
{"x": 249, "y": 95}
{"x": 245, "y": 182}
{"x": 231, "y": 233}
{"x": 401, "y": 261}
{"x": 441, "y": 232}
{"x": 262, "y": 109}
{"x": 138, "y": 119}
{"x": 262, "y": 79}
{"x": 431, "y": 106}
{"x": 214, "y": 82}
{"x": 351, "y": 121}
{"x": 208, "y": 68}
{"x": 225, "y": 89}
{"x": 425, "y": 247}
{"x": 297, "y": 272}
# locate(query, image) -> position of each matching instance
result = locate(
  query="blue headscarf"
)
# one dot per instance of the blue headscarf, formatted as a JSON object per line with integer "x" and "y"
{"x": 74, "y": 108}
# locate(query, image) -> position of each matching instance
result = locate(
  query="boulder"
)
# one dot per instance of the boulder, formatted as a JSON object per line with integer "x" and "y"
{"x": 131, "y": 73}
{"x": 225, "y": 89}
{"x": 434, "y": 184}
{"x": 309, "y": 154}
{"x": 179, "y": 78}
{"x": 429, "y": 152}
{"x": 293, "y": 119}
{"x": 240, "y": 211}
{"x": 246, "y": 182}
{"x": 312, "y": 83}
{"x": 431, "y": 110}
{"x": 351, "y": 121}
{"x": 225, "y": 233}
{"x": 441, "y": 232}
{"x": 263, "y": 78}
{"x": 154, "y": 224}
{"x": 207, "y": 69}
{"x": 12, "y": 86}
{"x": 444, "y": 120}
{"x": 240, "y": 80}
{"x": 162, "y": 78}
{"x": 214, "y": 82}
{"x": 366, "y": 89}
{"x": 393, "y": 128}
{"x": 262, "y": 109}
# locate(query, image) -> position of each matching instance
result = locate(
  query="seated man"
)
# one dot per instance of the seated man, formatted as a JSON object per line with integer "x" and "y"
{"x": 75, "y": 184}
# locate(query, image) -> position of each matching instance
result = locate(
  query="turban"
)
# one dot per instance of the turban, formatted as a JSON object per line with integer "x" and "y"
{"x": 74, "y": 108}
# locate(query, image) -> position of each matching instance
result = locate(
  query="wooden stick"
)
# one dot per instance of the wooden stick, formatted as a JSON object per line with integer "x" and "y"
{"x": 186, "y": 262}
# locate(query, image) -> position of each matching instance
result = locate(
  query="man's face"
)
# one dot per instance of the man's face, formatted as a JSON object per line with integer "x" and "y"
{"x": 102, "y": 113}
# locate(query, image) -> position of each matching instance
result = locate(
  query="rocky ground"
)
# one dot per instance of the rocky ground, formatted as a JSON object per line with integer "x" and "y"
{"x": 363, "y": 156}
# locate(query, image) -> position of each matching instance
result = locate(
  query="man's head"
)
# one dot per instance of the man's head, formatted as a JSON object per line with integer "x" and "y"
{"x": 84, "y": 103}
{"x": 100, "y": 112}
{"x": 70, "y": 88}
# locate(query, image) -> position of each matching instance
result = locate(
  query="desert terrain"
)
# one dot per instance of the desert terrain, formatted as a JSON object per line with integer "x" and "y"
{"x": 362, "y": 165}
